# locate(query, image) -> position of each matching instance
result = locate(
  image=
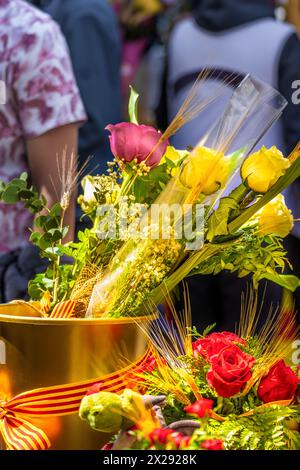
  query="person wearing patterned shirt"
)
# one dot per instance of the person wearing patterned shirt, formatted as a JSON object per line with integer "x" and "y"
{"x": 38, "y": 121}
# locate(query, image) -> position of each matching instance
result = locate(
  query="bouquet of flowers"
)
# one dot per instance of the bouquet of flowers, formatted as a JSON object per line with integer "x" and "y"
{"x": 221, "y": 391}
{"x": 161, "y": 214}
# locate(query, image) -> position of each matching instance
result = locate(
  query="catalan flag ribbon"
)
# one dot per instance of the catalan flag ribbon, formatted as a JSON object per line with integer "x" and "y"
{"x": 15, "y": 426}
{"x": 65, "y": 309}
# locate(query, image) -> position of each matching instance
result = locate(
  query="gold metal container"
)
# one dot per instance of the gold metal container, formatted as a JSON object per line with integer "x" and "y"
{"x": 41, "y": 352}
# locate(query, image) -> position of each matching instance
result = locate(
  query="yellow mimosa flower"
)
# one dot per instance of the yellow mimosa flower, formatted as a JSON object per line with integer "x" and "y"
{"x": 262, "y": 169}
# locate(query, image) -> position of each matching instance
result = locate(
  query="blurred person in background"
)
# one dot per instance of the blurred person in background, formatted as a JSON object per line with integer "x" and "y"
{"x": 144, "y": 25}
{"x": 137, "y": 23}
{"x": 91, "y": 30}
{"x": 292, "y": 9}
{"x": 232, "y": 38}
{"x": 39, "y": 121}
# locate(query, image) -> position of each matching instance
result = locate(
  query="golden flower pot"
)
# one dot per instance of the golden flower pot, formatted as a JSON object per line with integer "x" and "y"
{"x": 40, "y": 352}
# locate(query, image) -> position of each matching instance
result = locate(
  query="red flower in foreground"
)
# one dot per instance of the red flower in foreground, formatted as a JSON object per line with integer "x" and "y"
{"x": 180, "y": 441}
{"x": 200, "y": 408}
{"x": 130, "y": 141}
{"x": 160, "y": 436}
{"x": 211, "y": 345}
{"x": 230, "y": 371}
{"x": 280, "y": 383}
{"x": 185, "y": 442}
{"x": 212, "y": 444}
{"x": 163, "y": 436}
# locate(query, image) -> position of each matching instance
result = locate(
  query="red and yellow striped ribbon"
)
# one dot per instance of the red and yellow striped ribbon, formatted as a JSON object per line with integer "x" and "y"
{"x": 65, "y": 309}
{"x": 15, "y": 426}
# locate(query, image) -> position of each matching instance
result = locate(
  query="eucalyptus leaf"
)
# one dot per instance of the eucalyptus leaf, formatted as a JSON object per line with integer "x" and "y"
{"x": 10, "y": 194}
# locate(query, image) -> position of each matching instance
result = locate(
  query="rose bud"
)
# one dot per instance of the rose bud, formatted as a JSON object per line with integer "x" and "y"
{"x": 262, "y": 169}
{"x": 130, "y": 142}
{"x": 200, "y": 408}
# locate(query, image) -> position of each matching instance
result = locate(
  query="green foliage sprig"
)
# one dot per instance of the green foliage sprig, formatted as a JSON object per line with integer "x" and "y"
{"x": 269, "y": 429}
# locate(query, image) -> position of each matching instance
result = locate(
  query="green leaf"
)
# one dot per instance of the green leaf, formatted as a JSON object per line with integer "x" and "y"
{"x": 24, "y": 176}
{"x": 25, "y": 194}
{"x": 35, "y": 237}
{"x": 218, "y": 221}
{"x": 10, "y": 194}
{"x": 288, "y": 281}
{"x": 133, "y": 106}
{"x": 40, "y": 221}
{"x": 55, "y": 234}
{"x": 208, "y": 329}
{"x": 56, "y": 210}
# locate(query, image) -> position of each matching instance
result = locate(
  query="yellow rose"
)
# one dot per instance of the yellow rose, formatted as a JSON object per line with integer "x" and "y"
{"x": 88, "y": 186}
{"x": 262, "y": 169}
{"x": 275, "y": 218}
{"x": 206, "y": 168}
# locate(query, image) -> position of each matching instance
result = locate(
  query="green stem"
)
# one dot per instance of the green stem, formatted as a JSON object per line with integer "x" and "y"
{"x": 56, "y": 264}
{"x": 126, "y": 184}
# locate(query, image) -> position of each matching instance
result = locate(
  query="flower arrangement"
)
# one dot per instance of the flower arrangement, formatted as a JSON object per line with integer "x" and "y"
{"x": 161, "y": 214}
{"x": 220, "y": 391}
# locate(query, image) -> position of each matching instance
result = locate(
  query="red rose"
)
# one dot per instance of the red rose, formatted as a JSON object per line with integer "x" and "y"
{"x": 200, "y": 408}
{"x": 160, "y": 436}
{"x": 280, "y": 383}
{"x": 129, "y": 141}
{"x": 179, "y": 440}
{"x": 230, "y": 371}
{"x": 212, "y": 444}
{"x": 212, "y": 344}
{"x": 165, "y": 436}
{"x": 185, "y": 442}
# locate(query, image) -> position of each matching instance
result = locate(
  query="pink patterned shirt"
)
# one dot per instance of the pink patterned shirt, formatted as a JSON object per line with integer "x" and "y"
{"x": 41, "y": 94}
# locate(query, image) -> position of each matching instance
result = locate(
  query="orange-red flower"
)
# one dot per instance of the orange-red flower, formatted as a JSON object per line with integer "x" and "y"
{"x": 212, "y": 444}
{"x": 170, "y": 438}
{"x": 160, "y": 436}
{"x": 230, "y": 371}
{"x": 280, "y": 383}
{"x": 200, "y": 408}
{"x": 211, "y": 345}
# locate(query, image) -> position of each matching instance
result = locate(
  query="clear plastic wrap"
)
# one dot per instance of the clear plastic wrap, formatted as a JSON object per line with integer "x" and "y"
{"x": 143, "y": 263}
